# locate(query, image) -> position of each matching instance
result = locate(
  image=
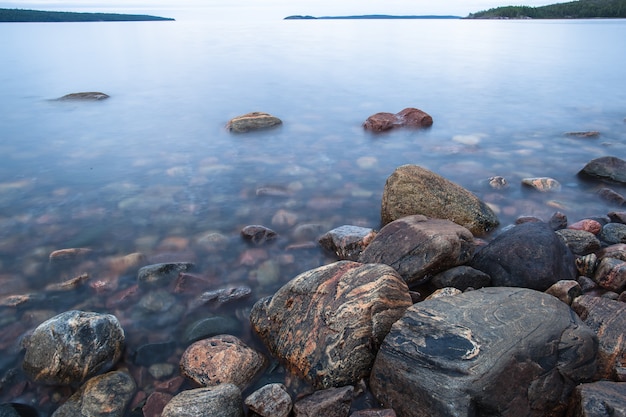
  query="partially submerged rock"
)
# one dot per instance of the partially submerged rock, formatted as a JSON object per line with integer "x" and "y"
{"x": 252, "y": 121}
{"x": 493, "y": 351}
{"x": 409, "y": 117}
{"x": 411, "y": 189}
{"x": 606, "y": 168}
{"x": 85, "y": 96}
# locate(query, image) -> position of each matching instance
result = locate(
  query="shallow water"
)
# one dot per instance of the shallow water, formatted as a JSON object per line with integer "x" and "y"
{"x": 153, "y": 170}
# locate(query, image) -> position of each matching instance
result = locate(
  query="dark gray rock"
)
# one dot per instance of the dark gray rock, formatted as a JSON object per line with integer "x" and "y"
{"x": 258, "y": 234}
{"x": 598, "y": 399}
{"x": 106, "y": 395}
{"x": 611, "y": 274}
{"x": 461, "y": 277}
{"x": 528, "y": 255}
{"x": 223, "y": 400}
{"x": 252, "y": 121}
{"x": 326, "y": 324}
{"x": 493, "y": 351}
{"x": 85, "y": 96}
{"x": 271, "y": 400}
{"x": 331, "y": 402}
{"x": 418, "y": 247}
{"x": 606, "y": 168}
{"x": 163, "y": 274}
{"x": 211, "y": 326}
{"x": 580, "y": 242}
{"x": 613, "y": 233}
{"x": 152, "y": 353}
{"x": 72, "y": 347}
{"x": 411, "y": 189}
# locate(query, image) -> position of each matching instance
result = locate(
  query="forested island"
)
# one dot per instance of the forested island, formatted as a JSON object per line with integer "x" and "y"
{"x": 581, "y": 9}
{"x": 372, "y": 16}
{"x": 23, "y": 15}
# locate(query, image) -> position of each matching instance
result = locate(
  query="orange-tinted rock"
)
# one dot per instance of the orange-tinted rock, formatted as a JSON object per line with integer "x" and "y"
{"x": 611, "y": 274}
{"x": 565, "y": 290}
{"x": 221, "y": 359}
{"x": 588, "y": 225}
{"x": 608, "y": 319}
{"x": 326, "y": 324}
{"x": 543, "y": 184}
{"x": 409, "y": 117}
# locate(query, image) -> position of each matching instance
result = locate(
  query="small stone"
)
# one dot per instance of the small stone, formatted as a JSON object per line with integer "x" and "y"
{"x": 68, "y": 285}
{"x": 584, "y": 134}
{"x": 588, "y": 225}
{"x": 611, "y": 274}
{"x": 223, "y": 400}
{"x": 161, "y": 274}
{"x": 543, "y": 184}
{"x": 558, "y": 221}
{"x": 347, "y": 242}
{"x": 331, "y": 402}
{"x": 258, "y": 234}
{"x": 617, "y": 251}
{"x": 611, "y": 196}
{"x": 580, "y": 242}
{"x": 85, "y": 96}
{"x": 284, "y": 218}
{"x": 618, "y": 216}
{"x": 211, "y": 326}
{"x": 69, "y": 254}
{"x": 498, "y": 183}
{"x": 152, "y": 353}
{"x": 613, "y": 233}
{"x": 461, "y": 277}
{"x": 161, "y": 370}
{"x": 565, "y": 290}
{"x": 221, "y": 359}
{"x": 409, "y": 117}
{"x": 252, "y": 121}
{"x": 606, "y": 168}
{"x": 444, "y": 292}
{"x": 271, "y": 400}
{"x": 155, "y": 403}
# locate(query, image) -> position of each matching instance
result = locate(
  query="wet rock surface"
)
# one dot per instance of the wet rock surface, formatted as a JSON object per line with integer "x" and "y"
{"x": 252, "y": 121}
{"x": 272, "y": 400}
{"x": 606, "y": 168}
{"x": 84, "y": 96}
{"x": 597, "y": 399}
{"x": 330, "y": 402}
{"x": 327, "y": 323}
{"x": 529, "y": 255}
{"x": 411, "y": 189}
{"x": 72, "y": 347}
{"x": 347, "y": 241}
{"x": 223, "y": 400}
{"x": 418, "y": 247}
{"x": 409, "y": 117}
{"x": 461, "y": 355}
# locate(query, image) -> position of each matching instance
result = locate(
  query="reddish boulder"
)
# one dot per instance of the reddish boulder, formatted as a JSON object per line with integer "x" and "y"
{"x": 409, "y": 117}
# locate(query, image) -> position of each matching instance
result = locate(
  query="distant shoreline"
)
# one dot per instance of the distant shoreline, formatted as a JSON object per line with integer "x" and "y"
{"x": 26, "y": 16}
{"x": 369, "y": 16}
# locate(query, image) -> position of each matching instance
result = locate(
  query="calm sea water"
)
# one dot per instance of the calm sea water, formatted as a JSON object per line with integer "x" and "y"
{"x": 153, "y": 170}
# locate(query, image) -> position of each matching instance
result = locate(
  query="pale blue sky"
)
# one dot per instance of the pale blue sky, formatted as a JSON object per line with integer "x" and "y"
{"x": 283, "y": 7}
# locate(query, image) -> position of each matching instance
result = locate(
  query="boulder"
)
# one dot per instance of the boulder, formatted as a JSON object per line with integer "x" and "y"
{"x": 493, "y": 351}
{"x": 409, "y": 117}
{"x": 418, "y": 247}
{"x": 606, "y": 168}
{"x": 221, "y": 359}
{"x": 326, "y": 324}
{"x": 222, "y": 400}
{"x": 598, "y": 399}
{"x": 411, "y": 189}
{"x": 252, "y": 121}
{"x": 72, "y": 347}
{"x": 528, "y": 255}
{"x": 106, "y": 395}
{"x": 608, "y": 319}
{"x": 580, "y": 242}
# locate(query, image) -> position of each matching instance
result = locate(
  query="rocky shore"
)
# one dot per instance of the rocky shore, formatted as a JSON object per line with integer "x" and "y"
{"x": 432, "y": 314}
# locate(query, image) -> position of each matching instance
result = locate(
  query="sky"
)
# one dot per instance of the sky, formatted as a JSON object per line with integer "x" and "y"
{"x": 281, "y": 7}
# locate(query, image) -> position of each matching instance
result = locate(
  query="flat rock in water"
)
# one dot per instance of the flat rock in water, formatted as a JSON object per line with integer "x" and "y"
{"x": 608, "y": 319}
{"x": 221, "y": 359}
{"x": 252, "y": 121}
{"x": 103, "y": 395}
{"x": 161, "y": 274}
{"x": 418, "y": 247}
{"x": 326, "y": 324}
{"x": 518, "y": 351}
{"x": 529, "y": 255}
{"x": 598, "y": 399}
{"x": 85, "y": 96}
{"x": 72, "y": 347}
{"x": 606, "y": 168}
{"x": 411, "y": 189}
{"x": 409, "y": 117}
{"x": 542, "y": 184}
{"x": 223, "y": 400}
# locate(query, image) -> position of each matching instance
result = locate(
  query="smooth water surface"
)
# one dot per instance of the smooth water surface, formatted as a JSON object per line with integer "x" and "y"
{"x": 153, "y": 169}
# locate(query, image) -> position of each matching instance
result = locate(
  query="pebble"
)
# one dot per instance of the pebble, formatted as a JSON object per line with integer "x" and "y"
{"x": 543, "y": 184}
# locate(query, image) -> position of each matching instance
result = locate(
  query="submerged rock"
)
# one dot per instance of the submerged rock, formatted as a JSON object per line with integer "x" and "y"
{"x": 518, "y": 351}
{"x": 606, "y": 168}
{"x": 411, "y": 189}
{"x": 409, "y": 117}
{"x": 85, "y": 96}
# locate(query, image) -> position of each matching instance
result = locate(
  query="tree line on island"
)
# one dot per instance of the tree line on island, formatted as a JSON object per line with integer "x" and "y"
{"x": 581, "y": 9}
{"x": 23, "y": 15}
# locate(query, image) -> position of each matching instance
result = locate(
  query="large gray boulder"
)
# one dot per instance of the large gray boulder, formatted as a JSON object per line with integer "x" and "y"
{"x": 529, "y": 255}
{"x": 326, "y": 324}
{"x": 411, "y": 189}
{"x": 493, "y": 351}
{"x": 608, "y": 168}
{"x": 418, "y": 247}
{"x": 72, "y": 347}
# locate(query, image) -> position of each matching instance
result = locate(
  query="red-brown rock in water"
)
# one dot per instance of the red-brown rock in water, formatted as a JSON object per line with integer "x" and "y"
{"x": 418, "y": 247}
{"x": 598, "y": 399}
{"x": 221, "y": 359}
{"x": 494, "y": 351}
{"x": 326, "y": 324}
{"x": 409, "y": 117}
{"x": 608, "y": 319}
{"x": 411, "y": 189}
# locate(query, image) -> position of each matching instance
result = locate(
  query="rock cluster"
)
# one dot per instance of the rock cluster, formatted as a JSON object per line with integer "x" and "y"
{"x": 435, "y": 320}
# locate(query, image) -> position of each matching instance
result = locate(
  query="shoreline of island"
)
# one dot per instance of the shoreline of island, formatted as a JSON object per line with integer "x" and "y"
{"x": 41, "y": 16}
